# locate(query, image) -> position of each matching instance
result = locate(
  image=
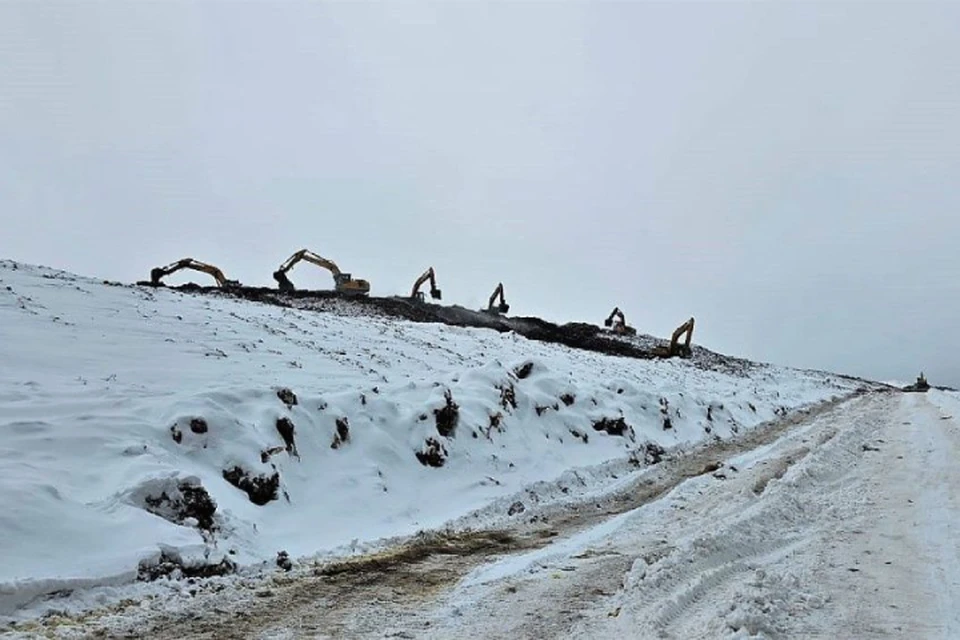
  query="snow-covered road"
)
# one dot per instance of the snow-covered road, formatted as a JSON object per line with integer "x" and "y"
{"x": 843, "y": 524}
{"x": 846, "y": 527}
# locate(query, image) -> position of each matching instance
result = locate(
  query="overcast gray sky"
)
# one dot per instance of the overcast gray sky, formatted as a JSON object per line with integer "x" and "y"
{"x": 787, "y": 173}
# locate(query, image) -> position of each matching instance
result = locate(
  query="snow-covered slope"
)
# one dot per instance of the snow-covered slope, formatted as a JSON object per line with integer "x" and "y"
{"x": 122, "y": 408}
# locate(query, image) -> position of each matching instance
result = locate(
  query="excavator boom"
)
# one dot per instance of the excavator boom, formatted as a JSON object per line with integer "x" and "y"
{"x": 343, "y": 282}
{"x": 157, "y": 274}
{"x": 682, "y": 350}
{"x": 435, "y": 293}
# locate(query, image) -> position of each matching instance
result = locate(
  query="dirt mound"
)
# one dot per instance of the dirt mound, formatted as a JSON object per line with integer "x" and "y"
{"x": 260, "y": 489}
{"x": 170, "y": 565}
{"x": 184, "y": 502}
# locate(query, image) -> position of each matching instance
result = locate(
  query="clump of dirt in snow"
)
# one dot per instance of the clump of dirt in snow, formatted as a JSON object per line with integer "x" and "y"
{"x": 613, "y": 426}
{"x": 650, "y": 453}
{"x": 260, "y": 489}
{"x": 285, "y": 428}
{"x": 198, "y": 425}
{"x": 508, "y": 396}
{"x": 665, "y": 414}
{"x": 524, "y": 371}
{"x": 343, "y": 433}
{"x": 568, "y": 399}
{"x": 447, "y": 416}
{"x": 177, "y": 434}
{"x": 283, "y": 561}
{"x": 171, "y": 565}
{"x": 433, "y": 454}
{"x": 515, "y": 508}
{"x": 183, "y": 502}
{"x": 287, "y": 397}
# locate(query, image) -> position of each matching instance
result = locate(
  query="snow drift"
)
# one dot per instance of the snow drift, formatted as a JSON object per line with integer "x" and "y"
{"x": 148, "y": 431}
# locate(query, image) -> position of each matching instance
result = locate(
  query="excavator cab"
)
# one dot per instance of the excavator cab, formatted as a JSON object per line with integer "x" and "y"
{"x": 343, "y": 282}
{"x": 157, "y": 274}
{"x": 417, "y": 295}
{"x": 618, "y": 323}
{"x": 503, "y": 307}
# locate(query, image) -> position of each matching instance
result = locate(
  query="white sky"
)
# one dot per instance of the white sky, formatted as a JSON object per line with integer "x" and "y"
{"x": 784, "y": 172}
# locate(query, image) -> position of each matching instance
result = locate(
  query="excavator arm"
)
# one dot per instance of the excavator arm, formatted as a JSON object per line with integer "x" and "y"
{"x": 682, "y": 350}
{"x": 435, "y": 293}
{"x": 503, "y": 307}
{"x": 157, "y": 274}
{"x": 343, "y": 282}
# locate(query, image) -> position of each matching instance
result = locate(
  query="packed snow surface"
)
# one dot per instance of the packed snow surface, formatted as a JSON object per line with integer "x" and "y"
{"x": 119, "y": 404}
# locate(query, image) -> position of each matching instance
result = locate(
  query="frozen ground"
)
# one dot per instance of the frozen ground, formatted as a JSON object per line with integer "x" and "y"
{"x": 122, "y": 408}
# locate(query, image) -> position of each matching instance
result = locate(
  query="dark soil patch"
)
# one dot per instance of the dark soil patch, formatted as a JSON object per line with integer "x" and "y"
{"x": 198, "y": 425}
{"x": 568, "y": 399}
{"x": 433, "y": 454}
{"x": 515, "y": 508}
{"x": 260, "y": 489}
{"x": 524, "y": 371}
{"x": 177, "y": 434}
{"x": 508, "y": 396}
{"x": 342, "y": 435}
{"x": 283, "y": 561}
{"x": 612, "y": 426}
{"x": 172, "y": 566}
{"x": 187, "y": 501}
{"x": 421, "y": 548}
{"x": 287, "y": 397}
{"x": 447, "y": 416}
{"x": 286, "y": 428}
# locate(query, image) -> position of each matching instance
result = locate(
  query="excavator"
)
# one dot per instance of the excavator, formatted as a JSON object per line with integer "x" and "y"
{"x": 618, "y": 323}
{"x": 503, "y": 307}
{"x": 157, "y": 274}
{"x": 675, "y": 348}
{"x": 343, "y": 282}
{"x": 417, "y": 295}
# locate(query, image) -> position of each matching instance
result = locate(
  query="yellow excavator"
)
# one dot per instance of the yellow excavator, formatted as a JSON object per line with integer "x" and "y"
{"x": 618, "y": 323}
{"x": 159, "y": 273}
{"x": 343, "y": 282}
{"x": 675, "y": 348}
{"x": 417, "y": 295}
{"x": 503, "y": 307}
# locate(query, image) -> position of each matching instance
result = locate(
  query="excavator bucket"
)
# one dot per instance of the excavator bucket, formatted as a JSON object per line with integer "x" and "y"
{"x": 436, "y": 294}
{"x": 283, "y": 281}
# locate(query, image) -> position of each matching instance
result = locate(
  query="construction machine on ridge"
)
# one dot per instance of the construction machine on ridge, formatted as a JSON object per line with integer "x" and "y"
{"x": 618, "y": 323}
{"x": 676, "y": 349}
{"x": 343, "y": 282}
{"x": 503, "y": 307}
{"x": 157, "y": 274}
{"x": 417, "y": 295}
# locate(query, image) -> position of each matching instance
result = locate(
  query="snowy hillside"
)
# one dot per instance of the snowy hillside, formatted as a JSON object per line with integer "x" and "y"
{"x": 148, "y": 427}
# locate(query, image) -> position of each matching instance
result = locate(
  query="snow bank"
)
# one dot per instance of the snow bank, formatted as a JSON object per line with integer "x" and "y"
{"x": 128, "y": 413}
